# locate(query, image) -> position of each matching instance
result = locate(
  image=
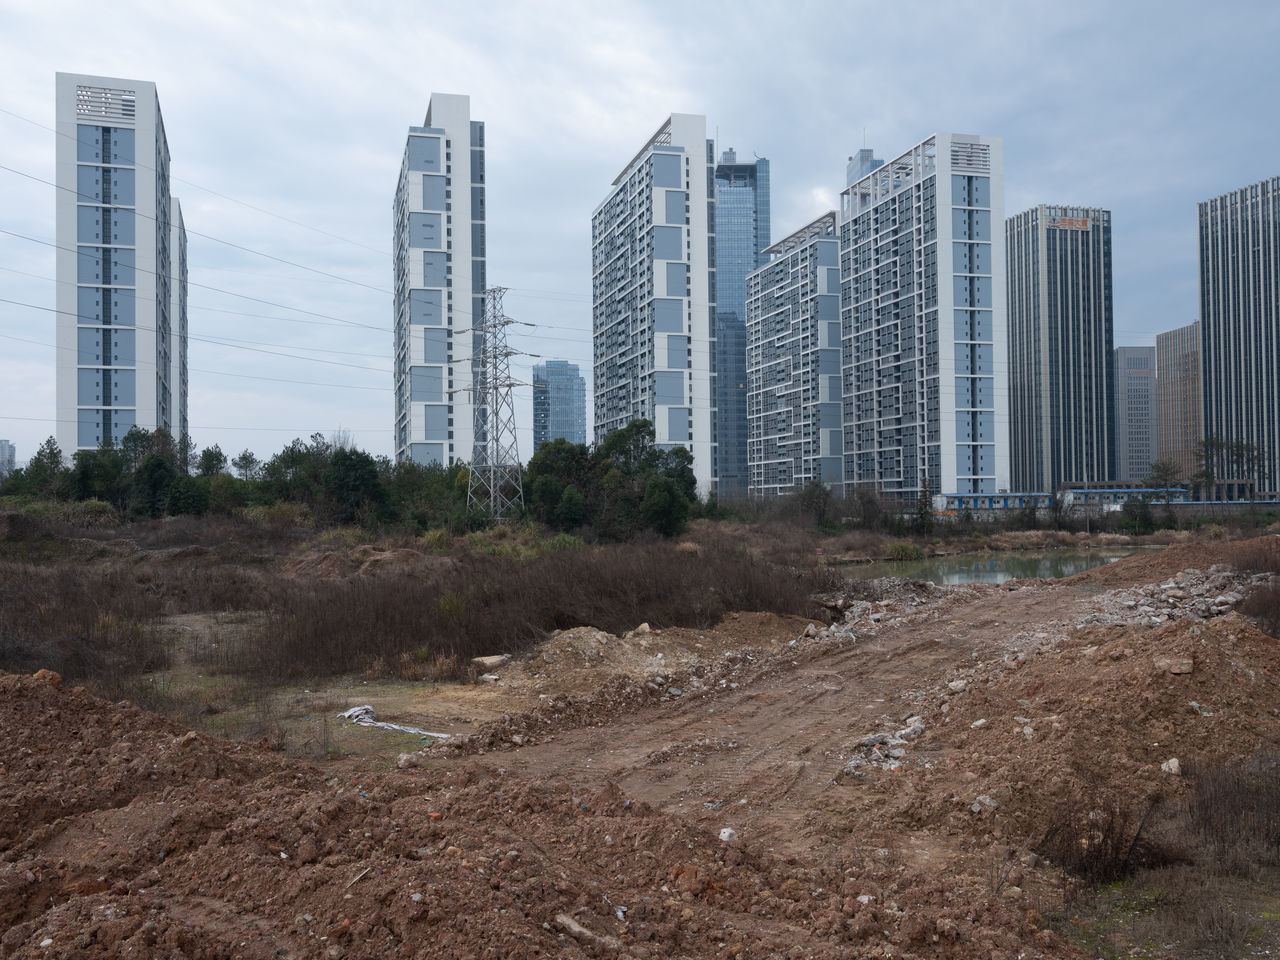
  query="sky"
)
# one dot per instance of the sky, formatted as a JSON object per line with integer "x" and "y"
{"x": 287, "y": 122}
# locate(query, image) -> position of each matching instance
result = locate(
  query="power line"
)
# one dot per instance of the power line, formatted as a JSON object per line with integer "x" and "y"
{"x": 209, "y": 190}
{"x": 206, "y": 426}
{"x": 206, "y": 236}
{"x": 200, "y": 339}
{"x": 205, "y": 286}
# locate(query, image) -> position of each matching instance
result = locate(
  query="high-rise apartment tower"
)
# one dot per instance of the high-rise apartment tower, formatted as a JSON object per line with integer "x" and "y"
{"x": 653, "y": 294}
{"x": 439, "y": 274}
{"x": 559, "y": 403}
{"x": 1061, "y": 372}
{"x": 121, "y": 266}
{"x": 742, "y": 233}
{"x": 793, "y": 363}
{"x": 1240, "y": 335}
{"x": 923, "y": 322}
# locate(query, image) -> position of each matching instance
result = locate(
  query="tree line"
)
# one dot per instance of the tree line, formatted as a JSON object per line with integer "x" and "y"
{"x": 620, "y": 487}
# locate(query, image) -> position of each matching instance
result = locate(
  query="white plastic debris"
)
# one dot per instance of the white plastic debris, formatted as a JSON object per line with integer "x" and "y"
{"x": 365, "y": 717}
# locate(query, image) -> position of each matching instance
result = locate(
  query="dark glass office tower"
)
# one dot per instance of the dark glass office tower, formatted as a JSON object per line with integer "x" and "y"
{"x": 742, "y": 233}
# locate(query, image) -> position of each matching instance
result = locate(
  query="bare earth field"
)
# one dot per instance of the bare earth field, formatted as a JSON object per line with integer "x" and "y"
{"x": 890, "y": 785}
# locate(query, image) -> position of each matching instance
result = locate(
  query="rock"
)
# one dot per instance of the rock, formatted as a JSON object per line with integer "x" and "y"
{"x": 978, "y": 723}
{"x": 728, "y": 835}
{"x": 1175, "y": 665}
{"x": 1172, "y": 766}
{"x": 1029, "y": 731}
{"x": 489, "y": 677}
{"x": 811, "y": 630}
{"x": 643, "y": 628}
{"x": 958, "y": 686}
{"x": 489, "y": 664}
{"x": 874, "y": 740}
{"x": 987, "y": 801}
{"x": 406, "y": 760}
{"x": 1175, "y": 595}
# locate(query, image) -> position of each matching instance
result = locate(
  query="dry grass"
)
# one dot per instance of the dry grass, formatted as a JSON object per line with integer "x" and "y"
{"x": 412, "y": 627}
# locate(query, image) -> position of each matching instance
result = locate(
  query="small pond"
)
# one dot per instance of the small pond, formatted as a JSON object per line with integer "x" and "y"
{"x": 991, "y": 567}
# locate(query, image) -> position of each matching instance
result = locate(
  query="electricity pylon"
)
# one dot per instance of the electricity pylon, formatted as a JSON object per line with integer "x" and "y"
{"x": 494, "y": 487}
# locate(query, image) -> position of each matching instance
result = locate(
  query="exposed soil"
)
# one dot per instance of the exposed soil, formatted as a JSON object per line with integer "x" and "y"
{"x": 870, "y": 788}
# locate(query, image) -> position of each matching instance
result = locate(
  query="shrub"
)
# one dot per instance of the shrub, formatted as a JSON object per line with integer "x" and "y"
{"x": 905, "y": 551}
{"x": 1100, "y": 841}
{"x": 485, "y": 604}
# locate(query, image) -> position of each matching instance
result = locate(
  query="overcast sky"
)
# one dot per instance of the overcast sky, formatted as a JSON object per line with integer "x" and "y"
{"x": 289, "y": 112}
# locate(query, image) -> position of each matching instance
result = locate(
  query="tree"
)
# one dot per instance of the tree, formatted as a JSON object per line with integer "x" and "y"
{"x": 184, "y": 454}
{"x": 134, "y": 446}
{"x": 44, "y": 472}
{"x": 352, "y": 484}
{"x": 190, "y": 495}
{"x": 99, "y": 475}
{"x": 815, "y": 499}
{"x": 1135, "y": 516}
{"x": 1165, "y": 474}
{"x": 664, "y": 507}
{"x": 152, "y": 485}
{"x": 246, "y": 465}
{"x": 212, "y": 460}
{"x": 924, "y": 510}
{"x": 572, "y": 508}
{"x": 630, "y": 448}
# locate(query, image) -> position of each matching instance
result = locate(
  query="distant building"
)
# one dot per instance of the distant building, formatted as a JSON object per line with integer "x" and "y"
{"x": 1061, "y": 371}
{"x": 653, "y": 300}
{"x": 7, "y": 458}
{"x": 794, "y": 392}
{"x": 1179, "y": 398}
{"x": 860, "y": 164}
{"x": 1135, "y": 413}
{"x": 926, "y": 387}
{"x": 742, "y": 232}
{"x": 439, "y": 240}
{"x": 559, "y": 403}
{"x": 1240, "y": 335}
{"x": 121, "y": 266}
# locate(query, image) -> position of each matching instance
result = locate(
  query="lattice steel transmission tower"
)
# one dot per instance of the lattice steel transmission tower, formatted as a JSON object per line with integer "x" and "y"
{"x": 495, "y": 464}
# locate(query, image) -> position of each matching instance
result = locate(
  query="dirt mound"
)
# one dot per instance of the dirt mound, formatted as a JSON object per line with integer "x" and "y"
{"x": 1149, "y": 567}
{"x": 124, "y": 836}
{"x": 367, "y": 561}
{"x": 1097, "y": 720}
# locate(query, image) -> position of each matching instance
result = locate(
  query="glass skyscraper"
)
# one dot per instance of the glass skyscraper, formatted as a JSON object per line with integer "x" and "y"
{"x": 1135, "y": 413}
{"x": 1240, "y": 336}
{"x": 559, "y": 403}
{"x": 1061, "y": 376}
{"x": 742, "y": 233}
